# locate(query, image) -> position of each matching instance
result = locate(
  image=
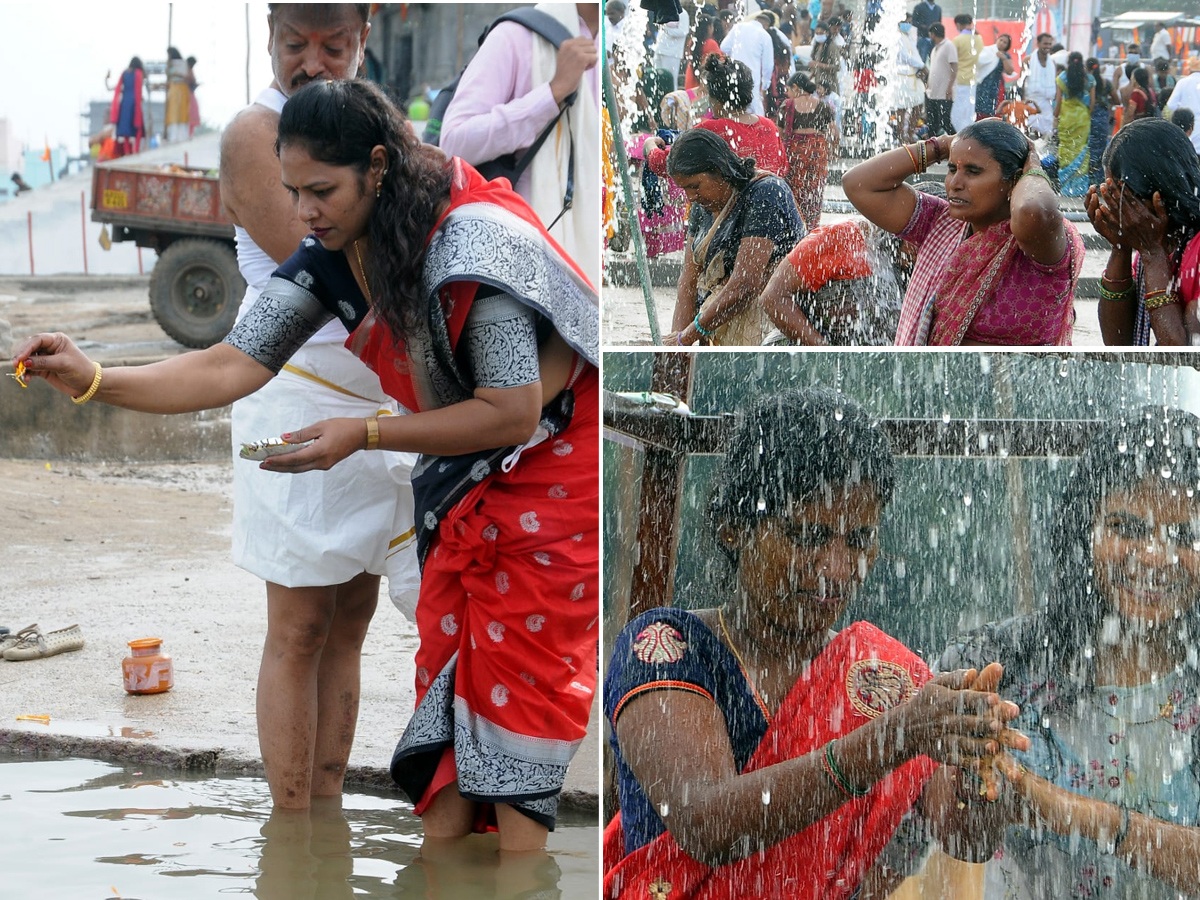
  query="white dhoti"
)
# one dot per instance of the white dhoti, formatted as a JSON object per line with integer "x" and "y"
{"x": 962, "y": 113}
{"x": 324, "y": 528}
{"x": 1043, "y": 122}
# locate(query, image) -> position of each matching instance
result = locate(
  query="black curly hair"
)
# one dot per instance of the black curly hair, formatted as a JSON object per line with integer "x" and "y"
{"x": 340, "y": 122}
{"x": 796, "y": 446}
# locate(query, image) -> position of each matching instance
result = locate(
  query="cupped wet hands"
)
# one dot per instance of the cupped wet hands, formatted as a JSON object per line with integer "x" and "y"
{"x": 958, "y": 719}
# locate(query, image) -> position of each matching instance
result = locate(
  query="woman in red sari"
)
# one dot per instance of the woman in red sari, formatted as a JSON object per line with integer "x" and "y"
{"x": 758, "y": 753}
{"x": 477, "y": 322}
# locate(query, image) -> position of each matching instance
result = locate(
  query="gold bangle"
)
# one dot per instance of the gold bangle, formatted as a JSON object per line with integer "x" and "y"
{"x": 91, "y": 392}
{"x": 372, "y": 433}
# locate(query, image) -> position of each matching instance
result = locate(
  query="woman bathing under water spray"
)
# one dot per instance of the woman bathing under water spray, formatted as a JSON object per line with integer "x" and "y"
{"x": 758, "y": 752}
{"x": 997, "y": 263}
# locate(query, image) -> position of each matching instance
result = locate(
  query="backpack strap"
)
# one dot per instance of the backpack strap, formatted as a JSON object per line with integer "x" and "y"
{"x": 542, "y": 24}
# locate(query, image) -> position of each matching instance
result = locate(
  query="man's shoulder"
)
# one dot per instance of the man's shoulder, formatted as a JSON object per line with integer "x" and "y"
{"x": 249, "y": 125}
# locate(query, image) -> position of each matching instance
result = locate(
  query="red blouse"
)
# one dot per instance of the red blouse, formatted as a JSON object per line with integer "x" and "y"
{"x": 760, "y": 140}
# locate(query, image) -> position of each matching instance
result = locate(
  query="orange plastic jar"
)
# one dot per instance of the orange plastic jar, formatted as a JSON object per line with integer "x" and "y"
{"x": 147, "y": 669}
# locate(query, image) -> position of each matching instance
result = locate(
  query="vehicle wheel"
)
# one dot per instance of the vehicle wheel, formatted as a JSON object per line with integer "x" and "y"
{"x": 195, "y": 291}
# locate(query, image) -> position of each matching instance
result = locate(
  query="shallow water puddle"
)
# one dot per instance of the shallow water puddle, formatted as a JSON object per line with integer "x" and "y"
{"x": 83, "y": 828}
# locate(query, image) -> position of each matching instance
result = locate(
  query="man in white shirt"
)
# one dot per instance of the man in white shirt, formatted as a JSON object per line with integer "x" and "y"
{"x": 748, "y": 42}
{"x": 1040, "y": 87}
{"x": 1187, "y": 96}
{"x": 614, "y": 11}
{"x": 1160, "y": 47}
{"x": 668, "y": 49}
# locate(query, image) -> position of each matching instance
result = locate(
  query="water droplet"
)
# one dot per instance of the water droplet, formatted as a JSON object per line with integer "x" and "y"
{"x": 838, "y": 413}
{"x": 766, "y": 797}
{"x": 946, "y": 417}
{"x": 664, "y": 809}
{"x": 967, "y": 499}
{"x": 901, "y": 568}
{"x": 1165, "y": 471}
{"x": 761, "y": 505}
{"x": 1149, "y": 442}
{"x": 1122, "y": 445}
{"x": 1062, "y": 369}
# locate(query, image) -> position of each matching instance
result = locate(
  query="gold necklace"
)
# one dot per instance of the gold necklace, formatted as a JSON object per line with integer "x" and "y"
{"x": 745, "y": 671}
{"x": 363, "y": 271}
{"x": 1165, "y": 711}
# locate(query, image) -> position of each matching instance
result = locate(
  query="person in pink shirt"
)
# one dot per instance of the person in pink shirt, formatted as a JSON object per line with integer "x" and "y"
{"x": 512, "y": 89}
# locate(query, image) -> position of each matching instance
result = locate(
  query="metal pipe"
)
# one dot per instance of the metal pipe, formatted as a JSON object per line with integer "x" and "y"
{"x": 639, "y": 248}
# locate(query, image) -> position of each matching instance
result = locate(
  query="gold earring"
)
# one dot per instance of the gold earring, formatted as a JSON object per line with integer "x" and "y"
{"x": 378, "y": 188}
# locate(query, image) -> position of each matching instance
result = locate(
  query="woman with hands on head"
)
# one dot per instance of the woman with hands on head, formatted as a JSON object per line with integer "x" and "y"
{"x": 1148, "y": 209}
{"x": 997, "y": 262}
{"x": 759, "y": 752}
{"x": 1106, "y": 801}
{"x": 474, "y": 319}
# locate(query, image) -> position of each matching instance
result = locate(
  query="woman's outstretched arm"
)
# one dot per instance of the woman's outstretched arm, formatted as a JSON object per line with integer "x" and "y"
{"x": 202, "y": 379}
{"x": 718, "y": 815}
{"x": 1162, "y": 850}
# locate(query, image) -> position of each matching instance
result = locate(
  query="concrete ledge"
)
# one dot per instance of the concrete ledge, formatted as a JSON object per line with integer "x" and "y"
{"x": 40, "y": 423}
{"x": 213, "y": 760}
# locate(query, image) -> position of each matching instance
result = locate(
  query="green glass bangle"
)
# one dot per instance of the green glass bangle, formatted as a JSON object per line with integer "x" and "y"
{"x": 1037, "y": 172}
{"x": 700, "y": 328}
{"x": 1158, "y": 299}
{"x": 1117, "y": 296}
{"x": 842, "y": 781}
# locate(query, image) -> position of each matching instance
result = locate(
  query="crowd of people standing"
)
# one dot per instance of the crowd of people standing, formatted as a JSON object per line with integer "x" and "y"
{"x": 787, "y": 106}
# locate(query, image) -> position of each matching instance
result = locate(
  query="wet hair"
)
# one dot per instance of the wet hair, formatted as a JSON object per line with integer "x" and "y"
{"x": 173, "y": 53}
{"x": 804, "y": 14}
{"x": 796, "y": 447}
{"x": 706, "y": 27}
{"x": 802, "y": 81}
{"x": 1152, "y": 155}
{"x": 1142, "y": 77}
{"x": 700, "y": 152}
{"x": 1076, "y": 75}
{"x": 1004, "y": 143}
{"x": 1005, "y": 37}
{"x": 339, "y": 123}
{"x": 729, "y": 82}
{"x": 191, "y": 60}
{"x": 1056, "y": 48}
{"x": 1130, "y": 68}
{"x": 1093, "y": 68}
{"x": 962, "y": 20}
{"x": 1044, "y": 34}
{"x": 937, "y": 29}
{"x": 780, "y": 49}
{"x": 1162, "y": 65}
{"x": 136, "y": 63}
{"x": 1184, "y": 118}
{"x": 1157, "y": 445}
{"x": 324, "y": 10}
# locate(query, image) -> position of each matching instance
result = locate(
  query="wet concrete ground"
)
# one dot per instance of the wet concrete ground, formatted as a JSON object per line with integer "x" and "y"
{"x": 128, "y": 548}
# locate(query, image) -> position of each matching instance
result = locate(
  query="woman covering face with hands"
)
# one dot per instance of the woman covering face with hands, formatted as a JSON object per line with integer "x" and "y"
{"x": 755, "y": 745}
{"x": 1148, "y": 209}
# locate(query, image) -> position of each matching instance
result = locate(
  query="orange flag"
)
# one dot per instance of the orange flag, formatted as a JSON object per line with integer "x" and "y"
{"x": 46, "y": 154}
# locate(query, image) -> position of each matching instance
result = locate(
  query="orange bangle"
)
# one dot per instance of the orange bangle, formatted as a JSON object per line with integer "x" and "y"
{"x": 916, "y": 168}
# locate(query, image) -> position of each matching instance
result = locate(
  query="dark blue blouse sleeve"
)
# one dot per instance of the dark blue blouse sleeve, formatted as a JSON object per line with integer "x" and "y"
{"x": 663, "y": 649}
